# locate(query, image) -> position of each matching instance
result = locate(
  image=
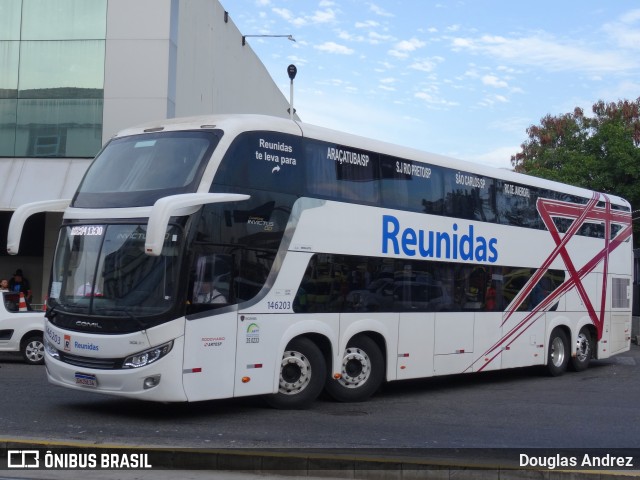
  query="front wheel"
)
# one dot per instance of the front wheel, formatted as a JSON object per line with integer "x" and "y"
{"x": 583, "y": 351}
{"x": 302, "y": 373}
{"x": 361, "y": 373}
{"x": 33, "y": 350}
{"x": 558, "y": 354}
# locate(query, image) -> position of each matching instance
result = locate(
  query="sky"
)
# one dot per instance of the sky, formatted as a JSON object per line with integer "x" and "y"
{"x": 462, "y": 78}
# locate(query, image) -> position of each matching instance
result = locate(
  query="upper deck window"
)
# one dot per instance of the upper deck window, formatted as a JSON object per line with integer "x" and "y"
{"x": 140, "y": 169}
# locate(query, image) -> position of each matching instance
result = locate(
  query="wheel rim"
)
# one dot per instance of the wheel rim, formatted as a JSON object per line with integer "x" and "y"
{"x": 583, "y": 348}
{"x": 34, "y": 351}
{"x": 557, "y": 352}
{"x": 295, "y": 373}
{"x": 356, "y": 368}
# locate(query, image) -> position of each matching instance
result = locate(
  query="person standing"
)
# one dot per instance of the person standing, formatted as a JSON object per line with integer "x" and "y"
{"x": 19, "y": 284}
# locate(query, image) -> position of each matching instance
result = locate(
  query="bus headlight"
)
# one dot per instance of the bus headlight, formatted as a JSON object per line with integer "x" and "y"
{"x": 50, "y": 348}
{"x": 147, "y": 357}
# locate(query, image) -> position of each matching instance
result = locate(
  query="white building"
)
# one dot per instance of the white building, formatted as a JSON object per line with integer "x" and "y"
{"x": 74, "y": 72}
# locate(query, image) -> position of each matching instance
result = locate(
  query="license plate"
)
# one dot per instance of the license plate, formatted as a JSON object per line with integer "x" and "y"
{"x": 86, "y": 379}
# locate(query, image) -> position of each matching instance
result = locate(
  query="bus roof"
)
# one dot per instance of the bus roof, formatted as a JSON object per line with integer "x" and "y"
{"x": 235, "y": 124}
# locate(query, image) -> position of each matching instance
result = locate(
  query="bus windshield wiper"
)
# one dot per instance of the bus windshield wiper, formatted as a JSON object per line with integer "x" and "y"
{"x": 122, "y": 310}
{"x": 51, "y": 312}
{"x": 140, "y": 323}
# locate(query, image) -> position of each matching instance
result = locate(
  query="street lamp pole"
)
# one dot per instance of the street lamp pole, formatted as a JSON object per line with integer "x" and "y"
{"x": 291, "y": 71}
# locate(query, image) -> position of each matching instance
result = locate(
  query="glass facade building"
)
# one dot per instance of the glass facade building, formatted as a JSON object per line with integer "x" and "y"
{"x": 52, "y": 57}
{"x": 75, "y": 72}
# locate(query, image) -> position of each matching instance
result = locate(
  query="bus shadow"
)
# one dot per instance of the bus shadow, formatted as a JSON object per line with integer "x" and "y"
{"x": 141, "y": 409}
{"x": 450, "y": 383}
{"x": 157, "y": 411}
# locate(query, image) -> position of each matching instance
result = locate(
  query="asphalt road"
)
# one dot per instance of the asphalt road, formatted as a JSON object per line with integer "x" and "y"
{"x": 519, "y": 408}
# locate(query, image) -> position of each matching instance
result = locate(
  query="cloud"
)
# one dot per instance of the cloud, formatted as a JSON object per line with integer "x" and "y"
{"x": 374, "y": 38}
{"x": 404, "y": 47}
{"x": 547, "y": 52}
{"x": 318, "y": 17}
{"x": 624, "y": 89}
{"x": 380, "y": 11}
{"x": 286, "y": 14}
{"x": 427, "y": 65}
{"x": 367, "y": 24}
{"x": 298, "y": 60}
{"x": 343, "y": 35}
{"x": 493, "y": 81}
{"x": 491, "y": 100}
{"x": 332, "y": 47}
{"x": 433, "y": 100}
{"x": 632, "y": 16}
{"x": 323, "y": 16}
{"x": 624, "y": 31}
{"x": 499, "y": 157}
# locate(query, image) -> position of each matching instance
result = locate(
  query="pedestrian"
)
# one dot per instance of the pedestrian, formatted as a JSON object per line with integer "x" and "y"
{"x": 20, "y": 284}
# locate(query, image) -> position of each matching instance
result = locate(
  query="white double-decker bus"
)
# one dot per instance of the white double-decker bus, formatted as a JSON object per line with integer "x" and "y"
{"x": 228, "y": 256}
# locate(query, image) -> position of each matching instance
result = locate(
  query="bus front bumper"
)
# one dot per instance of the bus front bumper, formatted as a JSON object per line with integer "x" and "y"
{"x": 160, "y": 381}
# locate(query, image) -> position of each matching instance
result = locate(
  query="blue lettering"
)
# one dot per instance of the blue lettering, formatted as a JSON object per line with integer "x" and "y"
{"x": 455, "y": 241}
{"x": 440, "y": 237}
{"x": 466, "y": 245}
{"x": 409, "y": 239}
{"x": 437, "y": 244}
{"x": 425, "y": 251}
{"x": 86, "y": 346}
{"x": 493, "y": 243}
{"x": 390, "y": 235}
{"x": 481, "y": 249}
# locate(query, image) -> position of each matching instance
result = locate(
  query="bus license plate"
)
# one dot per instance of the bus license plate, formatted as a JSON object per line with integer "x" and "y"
{"x": 86, "y": 379}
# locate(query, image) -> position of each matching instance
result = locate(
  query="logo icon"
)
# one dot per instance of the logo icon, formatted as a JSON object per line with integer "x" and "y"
{"x": 23, "y": 459}
{"x": 253, "y": 333}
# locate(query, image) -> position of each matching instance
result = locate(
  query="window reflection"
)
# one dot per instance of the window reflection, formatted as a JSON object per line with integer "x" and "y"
{"x": 9, "y": 59}
{"x": 62, "y": 69}
{"x": 52, "y": 59}
{"x": 7, "y": 127}
{"x": 59, "y": 128}
{"x": 10, "y": 19}
{"x": 345, "y": 283}
{"x": 64, "y": 19}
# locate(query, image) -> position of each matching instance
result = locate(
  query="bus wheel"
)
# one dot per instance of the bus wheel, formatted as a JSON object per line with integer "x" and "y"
{"x": 33, "y": 350}
{"x": 558, "y": 355}
{"x": 362, "y": 371}
{"x": 302, "y": 374}
{"x": 583, "y": 351}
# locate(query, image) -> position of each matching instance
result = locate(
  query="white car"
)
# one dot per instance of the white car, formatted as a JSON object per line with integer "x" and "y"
{"x": 21, "y": 331}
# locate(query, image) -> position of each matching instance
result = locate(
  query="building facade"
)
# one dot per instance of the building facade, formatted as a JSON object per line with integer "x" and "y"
{"x": 74, "y": 72}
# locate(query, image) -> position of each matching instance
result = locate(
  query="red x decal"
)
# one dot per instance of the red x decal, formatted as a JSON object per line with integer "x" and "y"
{"x": 598, "y": 210}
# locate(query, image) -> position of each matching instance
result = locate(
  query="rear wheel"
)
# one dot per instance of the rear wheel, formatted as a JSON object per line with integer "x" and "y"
{"x": 302, "y": 374}
{"x": 558, "y": 354}
{"x": 32, "y": 350}
{"x": 362, "y": 371}
{"x": 584, "y": 351}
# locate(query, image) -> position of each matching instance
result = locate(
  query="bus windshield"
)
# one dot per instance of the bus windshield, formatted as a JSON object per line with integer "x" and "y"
{"x": 136, "y": 171}
{"x": 103, "y": 270}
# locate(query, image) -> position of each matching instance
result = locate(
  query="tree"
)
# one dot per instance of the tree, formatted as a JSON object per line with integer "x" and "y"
{"x": 599, "y": 153}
